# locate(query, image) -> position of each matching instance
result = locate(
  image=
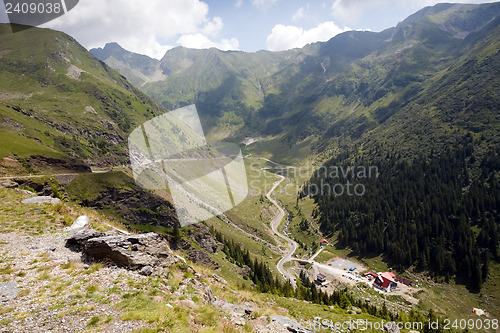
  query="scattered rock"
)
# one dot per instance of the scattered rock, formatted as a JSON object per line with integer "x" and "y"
{"x": 238, "y": 313}
{"x": 245, "y": 270}
{"x": 356, "y": 310}
{"x": 8, "y": 291}
{"x": 50, "y": 248}
{"x": 40, "y": 200}
{"x": 391, "y": 327}
{"x": 81, "y": 222}
{"x": 188, "y": 304}
{"x": 208, "y": 293}
{"x": 185, "y": 281}
{"x": 31, "y": 194}
{"x": 238, "y": 321}
{"x": 291, "y": 324}
{"x": 219, "y": 279}
{"x": 146, "y": 270}
{"x": 8, "y": 184}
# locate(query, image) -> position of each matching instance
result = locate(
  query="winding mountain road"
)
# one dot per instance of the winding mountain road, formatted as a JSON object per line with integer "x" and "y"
{"x": 274, "y": 226}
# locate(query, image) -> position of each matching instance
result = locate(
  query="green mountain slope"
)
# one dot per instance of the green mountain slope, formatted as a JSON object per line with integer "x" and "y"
{"x": 59, "y": 101}
{"x": 388, "y": 90}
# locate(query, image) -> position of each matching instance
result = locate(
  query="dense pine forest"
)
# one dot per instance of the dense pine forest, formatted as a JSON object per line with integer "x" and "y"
{"x": 437, "y": 213}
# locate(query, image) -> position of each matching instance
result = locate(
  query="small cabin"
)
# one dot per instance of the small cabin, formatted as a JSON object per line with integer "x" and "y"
{"x": 321, "y": 278}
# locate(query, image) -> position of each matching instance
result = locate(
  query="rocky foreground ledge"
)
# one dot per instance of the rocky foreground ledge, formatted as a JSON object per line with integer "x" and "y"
{"x": 79, "y": 279}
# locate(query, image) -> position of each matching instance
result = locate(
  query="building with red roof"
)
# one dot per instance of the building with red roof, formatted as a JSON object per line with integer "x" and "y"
{"x": 370, "y": 275}
{"x": 385, "y": 281}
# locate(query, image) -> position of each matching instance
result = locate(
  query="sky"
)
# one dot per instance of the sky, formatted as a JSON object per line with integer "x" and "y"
{"x": 154, "y": 26}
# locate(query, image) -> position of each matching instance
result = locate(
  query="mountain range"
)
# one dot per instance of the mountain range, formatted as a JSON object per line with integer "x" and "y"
{"x": 392, "y": 88}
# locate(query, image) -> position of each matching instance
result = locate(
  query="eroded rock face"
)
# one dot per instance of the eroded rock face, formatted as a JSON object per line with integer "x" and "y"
{"x": 205, "y": 239}
{"x": 200, "y": 257}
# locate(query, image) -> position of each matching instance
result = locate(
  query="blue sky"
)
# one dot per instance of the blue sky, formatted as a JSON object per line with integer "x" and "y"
{"x": 154, "y": 26}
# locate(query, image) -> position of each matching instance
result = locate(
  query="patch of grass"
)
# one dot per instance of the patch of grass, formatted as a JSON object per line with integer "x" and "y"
{"x": 93, "y": 268}
{"x": 24, "y": 292}
{"x": 6, "y": 269}
{"x": 70, "y": 266}
{"x": 6, "y": 321}
{"x": 457, "y": 302}
{"x": 145, "y": 330}
{"x": 93, "y": 321}
{"x": 44, "y": 257}
{"x": 208, "y": 316}
{"x": 138, "y": 306}
{"x": 91, "y": 291}
{"x": 6, "y": 309}
{"x": 26, "y": 219}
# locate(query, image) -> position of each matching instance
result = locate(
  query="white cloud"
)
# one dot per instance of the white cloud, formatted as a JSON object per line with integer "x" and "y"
{"x": 200, "y": 41}
{"x": 354, "y": 10}
{"x": 238, "y": 3}
{"x": 285, "y": 37}
{"x": 263, "y": 4}
{"x": 212, "y": 28}
{"x": 143, "y": 27}
{"x": 299, "y": 14}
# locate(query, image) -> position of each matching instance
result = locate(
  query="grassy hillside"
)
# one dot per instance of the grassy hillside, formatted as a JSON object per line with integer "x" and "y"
{"x": 57, "y": 100}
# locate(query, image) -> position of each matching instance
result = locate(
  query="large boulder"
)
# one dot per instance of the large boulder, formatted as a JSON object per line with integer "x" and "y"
{"x": 134, "y": 251}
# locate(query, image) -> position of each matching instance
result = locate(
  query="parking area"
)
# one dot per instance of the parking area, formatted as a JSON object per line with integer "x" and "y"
{"x": 346, "y": 264}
